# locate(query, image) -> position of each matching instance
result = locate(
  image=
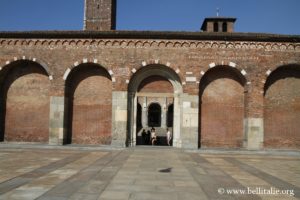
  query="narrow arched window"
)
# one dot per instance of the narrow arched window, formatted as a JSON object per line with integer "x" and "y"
{"x": 216, "y": 27}
{"x": 224, "y": 27}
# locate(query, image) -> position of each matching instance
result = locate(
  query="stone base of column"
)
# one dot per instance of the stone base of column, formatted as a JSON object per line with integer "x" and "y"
{"x": 190, "y": 121}
{"x": 190, "y": 139}
{"x": 254, "y": 129}
{"x": 57, "y": 130}
{"x": 118, "y": 143}
{"x": 119, "y": 119}
{"x": 177, "y": 143}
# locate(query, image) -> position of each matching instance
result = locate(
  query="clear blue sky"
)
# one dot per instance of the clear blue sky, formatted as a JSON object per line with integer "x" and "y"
{"x": 268, "y": 16}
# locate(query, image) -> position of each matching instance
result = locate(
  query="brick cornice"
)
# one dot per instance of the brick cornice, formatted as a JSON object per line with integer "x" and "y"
{"x": 149, "y": 43}
{"x": 255, "y": 37}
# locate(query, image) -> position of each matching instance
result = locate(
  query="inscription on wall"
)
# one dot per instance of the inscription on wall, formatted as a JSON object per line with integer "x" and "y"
{"x": 121, "y": 71}
{"x": 220, "y": 56}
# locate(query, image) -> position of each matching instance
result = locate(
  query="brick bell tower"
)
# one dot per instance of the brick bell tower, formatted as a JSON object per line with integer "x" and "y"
{"x": 100, "y": 15}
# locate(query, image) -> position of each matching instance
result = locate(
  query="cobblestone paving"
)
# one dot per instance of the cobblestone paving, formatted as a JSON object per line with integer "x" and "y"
{"x": 145, "y": 173}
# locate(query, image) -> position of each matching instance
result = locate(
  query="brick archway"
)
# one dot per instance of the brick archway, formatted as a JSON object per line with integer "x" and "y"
{"x": 89, "y": 96}
{"x": 24, "y": 102}
{"x": 221, "y": 108}
{"x": 282, "y": 108}
{"x": 146, "y": 79}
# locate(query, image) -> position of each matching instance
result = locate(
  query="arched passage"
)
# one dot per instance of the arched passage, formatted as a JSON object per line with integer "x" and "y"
{"x": 282, "y": 108}
{"x": 24, "y": 102}
{"x": 153, "y": 84}
{"x": 89, "y": 94}
{"x": 222, "y": 108}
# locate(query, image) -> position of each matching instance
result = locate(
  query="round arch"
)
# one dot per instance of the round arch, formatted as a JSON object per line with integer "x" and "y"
{"x": 152, "y": 70}
{"x": 135, "y": 81}
{"x": 24, "y": 101}
{"x": 232, "y": 69}
{"x": 33, "y": 60}
{"x": 88, "y": 91}
{"x": 280, "y": 72}
{"x": 85, "y": 62}
{"x": 222, "y": 91}
{"x": 282, "y": 107}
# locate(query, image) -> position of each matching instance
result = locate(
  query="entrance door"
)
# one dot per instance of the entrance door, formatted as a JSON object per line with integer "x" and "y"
{"x": 154, "y": 115}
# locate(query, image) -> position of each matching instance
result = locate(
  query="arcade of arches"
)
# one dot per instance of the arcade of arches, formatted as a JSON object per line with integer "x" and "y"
{"x": 217, "y": 117}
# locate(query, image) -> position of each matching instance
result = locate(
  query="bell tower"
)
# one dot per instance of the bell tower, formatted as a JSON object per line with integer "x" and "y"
{"x": 218, "y": 24}
{"x": 100, "y": 15}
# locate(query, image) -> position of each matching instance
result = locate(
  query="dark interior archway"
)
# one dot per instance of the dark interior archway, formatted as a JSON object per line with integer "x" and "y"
{"x": 170, "y": 115}
{"x": 139, "y": 126}
{"x": 139, "y": 117}
{"x": 154, "y": 115}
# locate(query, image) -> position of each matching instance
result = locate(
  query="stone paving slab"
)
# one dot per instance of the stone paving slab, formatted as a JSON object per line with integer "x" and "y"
{"x": 145, "y": 173}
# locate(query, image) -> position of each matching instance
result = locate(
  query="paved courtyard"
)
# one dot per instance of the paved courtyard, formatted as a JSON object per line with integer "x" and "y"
{"x": 146, "y": 173}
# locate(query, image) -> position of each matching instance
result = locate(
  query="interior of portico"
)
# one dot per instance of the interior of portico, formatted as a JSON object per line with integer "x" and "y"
{"x": 154, "y": 110}
{"x": 152, "y": 100}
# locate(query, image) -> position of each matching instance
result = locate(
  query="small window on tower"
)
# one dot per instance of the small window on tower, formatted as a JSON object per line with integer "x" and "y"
{"x": 98, "y": 6}
{"x": 216, "y": 27}
{"x": 224, "y": 26}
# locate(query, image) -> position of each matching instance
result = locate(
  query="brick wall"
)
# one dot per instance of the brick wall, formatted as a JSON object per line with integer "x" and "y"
{"x": 90, "y": 105}
{"x": 282, "y": 108}
{"x": 100, "y": 15}
{"x": 25, "y": 91}
{"x": 188, "y": 58}
{"x": 155, "y": 84}
{"x": 222, "y": 109}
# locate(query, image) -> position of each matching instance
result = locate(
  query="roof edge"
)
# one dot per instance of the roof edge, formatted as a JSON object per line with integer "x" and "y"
{"x": 172, "y": 35}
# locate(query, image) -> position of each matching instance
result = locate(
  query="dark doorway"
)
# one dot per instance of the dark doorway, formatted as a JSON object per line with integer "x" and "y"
{"x": 139, "y": 139}
{"x": 139, "y": 125}
{"x": 170, "y": 115}
{"x": 154, "y": 115}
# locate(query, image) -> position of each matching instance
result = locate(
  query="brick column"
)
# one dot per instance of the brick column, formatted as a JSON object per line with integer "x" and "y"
{"x": 253, "y": 122}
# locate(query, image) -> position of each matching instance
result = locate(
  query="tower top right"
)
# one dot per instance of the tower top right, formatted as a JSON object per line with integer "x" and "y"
{"x": 218, "y": 24}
